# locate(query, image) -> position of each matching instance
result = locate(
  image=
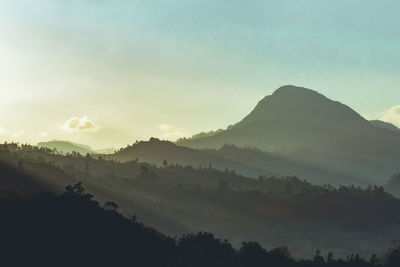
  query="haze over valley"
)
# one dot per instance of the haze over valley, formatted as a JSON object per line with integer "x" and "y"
{"x": 200, "y": 133}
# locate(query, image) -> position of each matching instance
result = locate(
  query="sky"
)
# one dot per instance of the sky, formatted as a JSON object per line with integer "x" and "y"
{"x": 108, "y": 73}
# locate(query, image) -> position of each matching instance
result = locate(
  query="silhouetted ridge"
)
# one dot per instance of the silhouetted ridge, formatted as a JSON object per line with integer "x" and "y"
{"x": 73, "y": 230}
{"x": 385, "y": 125}
{"x": 293, "y": 90}
{"x": 301, "y": 105}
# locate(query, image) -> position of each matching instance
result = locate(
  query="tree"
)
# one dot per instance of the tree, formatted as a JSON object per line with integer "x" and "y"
{"x": 280, "y": 257}
{"x": 203, "y": 249}
{"x": 329, "y": 259}
{"x": 373, "y": 260}
{"x": 110, "y": 206}
{"x": 318, "y": 259}
{"x": 75, "y": 189}
{"x": 165, "y": 163}
{"x": 146, "y": 176}
{"x": 251, "y": 254}
{"x": 393, "y": 258}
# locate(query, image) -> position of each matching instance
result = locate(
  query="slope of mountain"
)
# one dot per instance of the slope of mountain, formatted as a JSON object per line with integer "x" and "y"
{"x": 12, "y": 179}
{"x": 309, "y": 128}
{"x": 244, "y": 161}
{"x": 66, "y": 147}
{"x": 274, "y": 212}
{"x": 156, "y": 151}
{"x": 385, "y": 125}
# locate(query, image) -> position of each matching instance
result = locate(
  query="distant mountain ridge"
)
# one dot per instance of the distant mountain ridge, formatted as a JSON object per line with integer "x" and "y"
{"x": 298, "y": 104}
{"x": 156, "y": 151}
{"x": 66, "y": 147}
{"x": 69, "y": 147}
{"x": 244, "y": 161}
{"x": 385, "y": 125}
{"x": 307, "y": 127}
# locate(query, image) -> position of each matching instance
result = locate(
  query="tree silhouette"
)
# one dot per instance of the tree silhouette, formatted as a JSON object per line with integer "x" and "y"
{"x": 251, "y": 254}
{"x": 318, "y": 259}
{"x": 110, "y": 206}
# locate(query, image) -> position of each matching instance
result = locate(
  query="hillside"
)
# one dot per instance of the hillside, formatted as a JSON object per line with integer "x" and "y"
{"x": 74, "y": 228}
{"x": 385, "y": 125}
{"x": 244, "y": 161}
{"x": 66, "y": 147}
{"x": 70, "y": 147}
{"x": 307, "y": 127}
{"x": 156, "y": 151}
{"x": 12, "y": 179}
{"x": 179, "y": 199}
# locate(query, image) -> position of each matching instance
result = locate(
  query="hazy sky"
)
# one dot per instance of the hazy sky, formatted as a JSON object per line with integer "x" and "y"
{"x": 106, "y": 73}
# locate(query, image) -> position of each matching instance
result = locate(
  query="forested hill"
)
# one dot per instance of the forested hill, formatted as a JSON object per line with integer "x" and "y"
{"x": 245, "y": 161}
{"x": 177, "y": 199}
{"x": 73, "y": 230}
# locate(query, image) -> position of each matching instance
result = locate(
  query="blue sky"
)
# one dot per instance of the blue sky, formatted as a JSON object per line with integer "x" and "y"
{"x": 136, "y": 69}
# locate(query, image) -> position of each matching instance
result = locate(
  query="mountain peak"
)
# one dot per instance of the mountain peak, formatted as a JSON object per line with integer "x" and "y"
{"x": 301, "y": 105}
{"x": 292, "y": 89}
{"x": 296, "y": 93}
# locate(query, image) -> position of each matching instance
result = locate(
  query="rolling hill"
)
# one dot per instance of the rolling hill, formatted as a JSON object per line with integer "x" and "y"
{"x": 245, "y": 161}
{"x": 69, "y": 147}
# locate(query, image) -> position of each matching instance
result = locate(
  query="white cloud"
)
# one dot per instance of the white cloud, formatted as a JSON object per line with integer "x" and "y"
{"x": 83, "y": 124}
{"x": 393, "y": 115}
{"x": 171, "y": 132}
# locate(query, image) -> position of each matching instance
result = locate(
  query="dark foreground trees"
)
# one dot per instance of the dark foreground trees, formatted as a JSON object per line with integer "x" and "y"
{"x": 73, "y": 230}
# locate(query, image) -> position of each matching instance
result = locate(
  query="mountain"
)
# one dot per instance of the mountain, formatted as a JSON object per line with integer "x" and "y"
{"x": 244, "y": 161}
{"x": 305, "y": 126}
{"x": 67, "y": 147}
{"x": 155, "y": 151}
{"x": 385, "y": 125}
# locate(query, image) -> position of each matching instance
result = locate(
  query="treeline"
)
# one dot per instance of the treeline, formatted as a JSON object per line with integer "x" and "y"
{"x": 71, "y": 229}
{"x": 172, "y": 174}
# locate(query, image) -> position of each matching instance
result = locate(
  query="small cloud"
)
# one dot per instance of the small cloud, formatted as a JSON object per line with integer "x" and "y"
{"x": 171, "y": 132}
{"x": 392, "y": 115}
{"x": 83, "y": 124}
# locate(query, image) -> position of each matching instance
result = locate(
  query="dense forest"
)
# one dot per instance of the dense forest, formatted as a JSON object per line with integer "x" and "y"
{"x": 177, "y": 199}
{"x": 71, "y": 229}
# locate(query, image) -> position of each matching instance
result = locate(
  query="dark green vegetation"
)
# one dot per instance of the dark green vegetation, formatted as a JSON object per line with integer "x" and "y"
{"x": 71, "y": 229}
{"x": 178, "y": 199}
{"x": 305, "y": 127}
